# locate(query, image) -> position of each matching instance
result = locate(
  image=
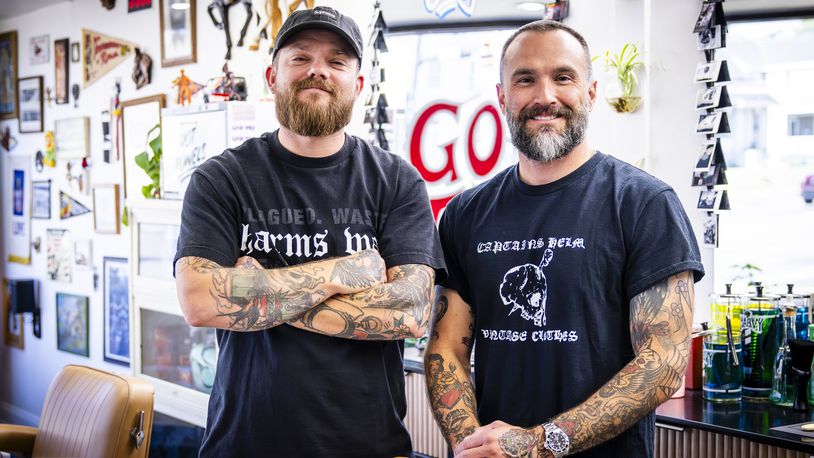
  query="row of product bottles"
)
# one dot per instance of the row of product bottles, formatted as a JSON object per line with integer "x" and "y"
{"x": 749, "y": 345}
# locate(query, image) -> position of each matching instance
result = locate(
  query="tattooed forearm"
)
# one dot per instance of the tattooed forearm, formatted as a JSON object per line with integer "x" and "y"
{"x": 452, "y": 397}
{"x": 521, "y": 443}
{"x": 248, "y": 297}
{"x": 389, "y": 311}
{"x": 660, "y": 319}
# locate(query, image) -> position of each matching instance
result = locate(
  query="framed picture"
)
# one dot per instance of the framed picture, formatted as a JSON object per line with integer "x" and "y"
{"x": 178, "y": 42}
{"x": 106, "y": 208}
{"x": 61, "y": 75}
{"x": 17, "y": 209}
{"x": 41, "y": 199}
{"x": 138, "y": 5}
{"x": 116, "y": 311}
{"x": 138, "y": 118}
{"x": 188, "y": 140}
{"x": 8, "y": 75}
{"x": 72, "y": 324}
{"x": 39, "y": 49}
{"x": 71, "y": 137}
{"x": 29, "y": 93}
{"x": 75, "y": 52}
{"x": 83, "y": 253}
{"x": 13, "y": 323}
{"x": 59, "y": 252}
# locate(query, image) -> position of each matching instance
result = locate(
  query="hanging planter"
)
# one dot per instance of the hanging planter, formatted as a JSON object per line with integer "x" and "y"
{"x": 621, "y": 78}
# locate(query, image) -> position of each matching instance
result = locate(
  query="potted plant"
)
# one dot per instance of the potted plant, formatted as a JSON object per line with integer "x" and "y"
{"x": 622, "y": 80}
{"x": 151, "y": 164}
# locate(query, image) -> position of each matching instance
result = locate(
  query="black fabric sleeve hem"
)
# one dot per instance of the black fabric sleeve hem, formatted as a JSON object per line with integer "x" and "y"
{"x": 652, "y": 279}
{"x": 418, "y": 258}
{"x": 200, "y": 251}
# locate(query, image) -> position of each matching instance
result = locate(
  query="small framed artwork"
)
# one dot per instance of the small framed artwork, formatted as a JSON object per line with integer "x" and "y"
{"x": 72, "y": 324}
{"x": 138, "y": 5}
{"x": 116, "y": 311}
{"x": 41, "y": 199}
{"x": 59, "y": 252}
{"x": 75, "y": 52}
{"x": 71, "y": 137}
{"x": 711, "y": 230}
{"x": 138, "y": 118}
{"x": 106, "y": 208}
{"x": 39, "y": 49}
{"x": 83, "y": 253}
{"x": 177, "y": 28}
{"x": 29, "y": 93}
{"x": 8, "y": 69}
{"x": 12, "y": 323}
{"x": 61, "y": 75}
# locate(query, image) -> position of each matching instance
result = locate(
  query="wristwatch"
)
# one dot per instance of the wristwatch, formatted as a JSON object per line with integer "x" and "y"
{"x": 556, "y": 441}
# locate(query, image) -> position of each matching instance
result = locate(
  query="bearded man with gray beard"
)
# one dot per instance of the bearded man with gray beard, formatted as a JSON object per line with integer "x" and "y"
{"x": 311, "y": 300}
{"x": 597, "y": 317}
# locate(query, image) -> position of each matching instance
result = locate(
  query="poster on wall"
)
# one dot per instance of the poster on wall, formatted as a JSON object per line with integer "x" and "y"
{"x": 116, "y": 311}
{"x": 189, "y": 140}
{"x": 72, "y": 324}
{"x": 17, "y": 210}
{"x": 101, "y": 54}
{"x": 60, "y": 255}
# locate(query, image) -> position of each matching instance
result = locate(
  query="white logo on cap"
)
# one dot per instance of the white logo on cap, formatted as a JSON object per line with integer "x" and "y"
{"x": 325, "y": 12}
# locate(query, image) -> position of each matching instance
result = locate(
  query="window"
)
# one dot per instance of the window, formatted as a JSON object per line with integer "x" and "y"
{"x": 801, "y": 124}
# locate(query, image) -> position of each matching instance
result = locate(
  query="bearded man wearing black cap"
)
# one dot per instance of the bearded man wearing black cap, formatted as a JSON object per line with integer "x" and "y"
{"x": 314, "y": 254}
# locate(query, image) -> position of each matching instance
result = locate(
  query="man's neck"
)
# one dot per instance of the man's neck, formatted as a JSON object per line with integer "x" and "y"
{"x": 537, "y": 173}
{"x": 311, "y": 146}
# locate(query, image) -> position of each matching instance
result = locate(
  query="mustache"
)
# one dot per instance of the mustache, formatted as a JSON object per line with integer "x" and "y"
{"x": 298, "y": 86}
{"x": 539, "y": 110}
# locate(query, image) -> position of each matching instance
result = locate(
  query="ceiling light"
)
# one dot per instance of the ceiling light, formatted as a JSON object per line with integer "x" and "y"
{"x": 530, "y": 6}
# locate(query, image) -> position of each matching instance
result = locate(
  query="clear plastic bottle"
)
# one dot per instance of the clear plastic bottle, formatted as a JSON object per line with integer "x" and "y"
{"x": 783, "y": 386}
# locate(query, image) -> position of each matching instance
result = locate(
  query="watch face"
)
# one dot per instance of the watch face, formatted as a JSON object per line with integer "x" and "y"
{"x": 557, "y": 442}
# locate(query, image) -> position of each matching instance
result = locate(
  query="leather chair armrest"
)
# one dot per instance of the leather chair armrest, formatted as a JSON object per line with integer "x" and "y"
{"x": 17, "y": 438}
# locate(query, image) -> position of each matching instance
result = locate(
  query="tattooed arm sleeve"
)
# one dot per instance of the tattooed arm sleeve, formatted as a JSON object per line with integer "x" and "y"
{"x": 389, "y": 311}
{"x": 660, "y": 321}
{"x": 249, "y": 298}
{"x": 446, "y": 365}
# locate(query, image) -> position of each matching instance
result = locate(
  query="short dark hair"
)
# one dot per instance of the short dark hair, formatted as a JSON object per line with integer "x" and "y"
{"x": 543, "y": 26}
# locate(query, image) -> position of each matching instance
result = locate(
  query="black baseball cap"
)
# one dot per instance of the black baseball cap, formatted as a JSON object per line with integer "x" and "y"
{"x": 321, "y": 17}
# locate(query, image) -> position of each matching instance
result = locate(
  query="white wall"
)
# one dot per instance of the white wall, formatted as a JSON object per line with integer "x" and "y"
{"x": 662, "y": 131}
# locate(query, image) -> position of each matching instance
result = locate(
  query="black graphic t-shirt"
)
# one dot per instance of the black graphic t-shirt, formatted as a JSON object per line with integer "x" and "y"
{"x": 549, "y": 272}
{"x": 286, "y": 392}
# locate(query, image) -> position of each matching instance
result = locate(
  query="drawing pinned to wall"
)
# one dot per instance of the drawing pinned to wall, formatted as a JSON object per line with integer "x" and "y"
{"x": 39, "y": 49}
{"x": 17, "y": 211}
{"x": 59, "y": 250}
{"x": 70, "y": 207}
{"x": 72, "y": 324}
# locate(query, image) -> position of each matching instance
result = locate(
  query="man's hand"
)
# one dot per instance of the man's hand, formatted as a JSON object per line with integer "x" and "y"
{"x": 359, "y": 272}
{"x": 500, "y": 439}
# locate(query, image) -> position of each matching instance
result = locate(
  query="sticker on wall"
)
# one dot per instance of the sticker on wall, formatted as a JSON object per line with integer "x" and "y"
{"x": 101, "y": 54}
{"x": 70, "y": 207}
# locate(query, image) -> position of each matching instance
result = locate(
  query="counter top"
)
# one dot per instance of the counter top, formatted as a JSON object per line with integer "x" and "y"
{"x": 746, "y": 419}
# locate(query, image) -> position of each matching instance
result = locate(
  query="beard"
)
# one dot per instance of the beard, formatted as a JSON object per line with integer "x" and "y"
{"x": 313, "y": 115}
{"x": 546, "y": 144}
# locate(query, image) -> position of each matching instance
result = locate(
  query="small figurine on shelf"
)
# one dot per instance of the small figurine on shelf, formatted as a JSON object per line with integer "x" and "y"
{"x": 186, "y": 88}
{"x": 225, "y": 88}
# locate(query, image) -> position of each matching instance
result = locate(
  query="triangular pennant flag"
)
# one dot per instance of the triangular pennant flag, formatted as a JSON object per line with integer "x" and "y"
{"x": 70, "y": 207}
{"x": 101, "y": 54}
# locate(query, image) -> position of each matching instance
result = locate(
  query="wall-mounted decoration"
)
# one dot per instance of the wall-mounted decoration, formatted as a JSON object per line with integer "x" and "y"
{"x": 59, "y": 251}
{"x": 109, "y": 4}
{"x": 101, "y": 54}
{"x": 712, "y": 38}
{"x": 72, "y": 324}
{"x": 713, "y": 200}
{"x": 186, "y": 88}
{"x": 139, "y": 117}
{"x": 116, "y": 311}
{"x": 12, "y": 323}
{"x": 713, "y": 123}
{"x": 138, "y": 5}
{"x": 178, "y": 37}
{"x": 41, "y": 199}
{"x": 75, "y": 53}
{"x": 61, "y": 71}
{"x": 222, "y": 23}
{"x": 39, "y": 49}
{"x": 441, "y": 8}
{"x": 711, "y": 230}
{"x": 188, "y": 139}
{"x": 71, "y": 138}
{"x": 70, "y": 207}
{"x": 556, "y": 10}
{"x": 142, "y": 69}
{"x": 8, "y": 75}
{"x": 17, "y": 211}
{"x": 106, "y": 208}
{"x": 83, "y": 253}
{"x": 715, "y": 97}
{"x": 621, "y": 78}
{"x": 712, "y": 72}
{"x": 7, "y": 141}
{"x": 75, "y": 94}
{"x": 29, "y": 93}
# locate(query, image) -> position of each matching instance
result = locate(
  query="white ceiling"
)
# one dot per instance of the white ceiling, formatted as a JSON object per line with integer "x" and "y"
{"x": 11, "y": 8}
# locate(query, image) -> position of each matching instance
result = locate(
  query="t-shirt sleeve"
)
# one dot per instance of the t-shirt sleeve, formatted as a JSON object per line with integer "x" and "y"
{"x": 209, "y": 219}
{"x": 662, "y": 243}
{"x": 409, "y": 235}
{"x": 455, "y": 275}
